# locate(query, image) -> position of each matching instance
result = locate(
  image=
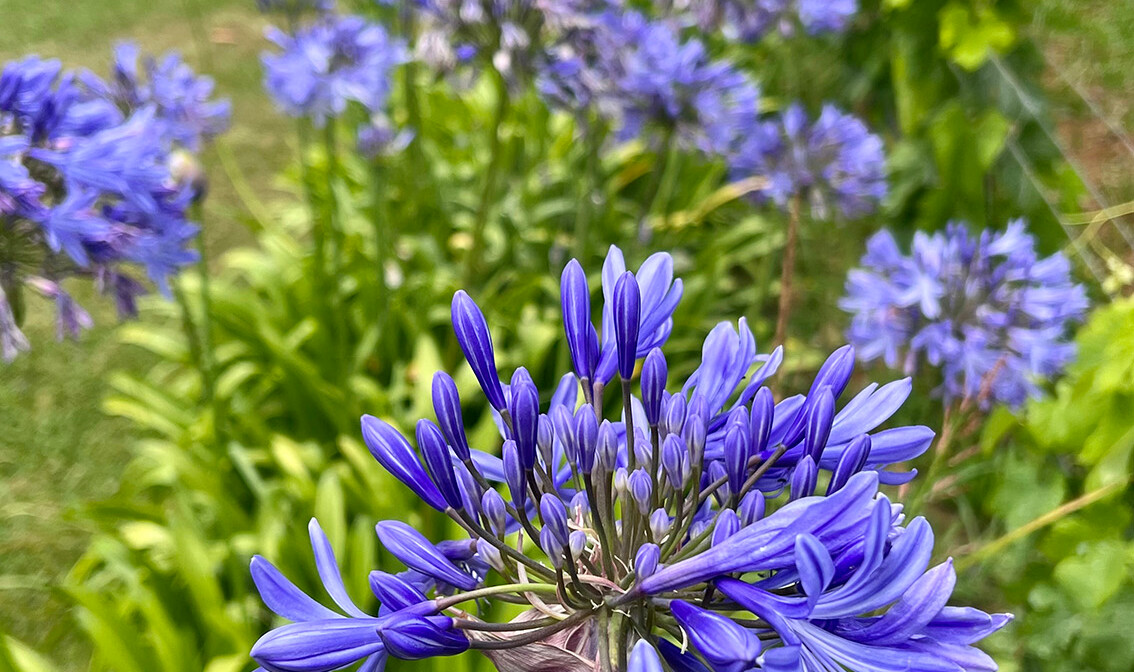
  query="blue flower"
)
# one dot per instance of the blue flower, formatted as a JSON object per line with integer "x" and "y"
{"x": 637, "y": 516}
{"x": 332, "y": 62}
{"x": 987, "y": 310}
{"x": 834, "y": 163}
{"x": 87, "y": 181}
{"x": 642, "y": 74}
{"x": 181, "y": 98}
{"x": 749, "y": 20}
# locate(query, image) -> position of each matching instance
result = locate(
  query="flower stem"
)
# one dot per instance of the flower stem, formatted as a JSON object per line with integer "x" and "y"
{"x": 788, "y": 272}
{"x": 208, "y": 360}
{"x": 654, "y": 187}
{"x": 489, "y": 591}
{"x": 488, "y": 191}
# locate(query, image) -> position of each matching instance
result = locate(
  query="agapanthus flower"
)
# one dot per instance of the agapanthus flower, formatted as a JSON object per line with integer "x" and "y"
{"x": 182, "y": 99}
{"x": 87, "y": 188}
{"x": 329, "y": 63}
{"x": 985, "y": 309}
{"x": 507, "y": 35}
{"x": 642, "y": 73}
{"x": 749, "y": 20}
{"x": 703, "y": 524}
{"x": 833, "y": 163}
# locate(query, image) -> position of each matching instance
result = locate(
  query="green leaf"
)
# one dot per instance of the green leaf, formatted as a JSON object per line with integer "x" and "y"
{"x": 1094, "y": 574}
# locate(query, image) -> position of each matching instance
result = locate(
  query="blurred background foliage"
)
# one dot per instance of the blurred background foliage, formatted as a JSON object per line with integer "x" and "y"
{"x": 130, "y": 507}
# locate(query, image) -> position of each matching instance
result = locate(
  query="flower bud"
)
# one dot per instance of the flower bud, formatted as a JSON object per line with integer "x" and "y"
{"x": 586, "y": 434}
{"x": 673, "y": 457}
{"x": 447, "y": 406}
{"x": 641, "y": 485}
{"x": 551, "y": 545}
{"x": 545, "y": 440}
{"x": 760, "y": 422}
{"x": 575, "y": 297}
{"x": 524, "y": 408}
{"x": 646, "y": 560}
{"x": 804, "y": 479}
{"x": 554, "y": 516}
{"x": 476, "y": 342}
{"x": 606, "y": 448}
{"x": 819, "y": 419}
{"x": 675, "y": 412}
{"x": 727, "y": 525}
{"x": 751, "y": 507}
{"x": 437, "y": 461}
{"x": 493, "y": 508}
{"x": 736, "y": 456}
{"x": 577, "y": 543}
{"x": 394, "y": 453}
{"x": 627, "y": 307}
{"x": 514, "y": 475}
{"x": 654, "y": 374}
{"x": 660, "y": 523}
{"x": 852, "y": 461}
{"x": 564, "y": 423}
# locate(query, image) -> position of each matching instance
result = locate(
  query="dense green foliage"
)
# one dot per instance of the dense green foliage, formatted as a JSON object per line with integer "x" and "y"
{"x": 950, "y": 84}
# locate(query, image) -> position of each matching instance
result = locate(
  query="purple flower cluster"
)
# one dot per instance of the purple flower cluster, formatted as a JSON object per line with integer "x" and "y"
{"x": 182, "y": 100}
{"x": 87, "y": 186}
{"x": 749, "y": 20}
{"x": 705, "y": 524}
{"x": 834, "y": 163}
{"x": 986, "y": 310}
{"x": 642, "y": 73}
{"x": 329, "y": 63}
{"x": 509, "y": 35}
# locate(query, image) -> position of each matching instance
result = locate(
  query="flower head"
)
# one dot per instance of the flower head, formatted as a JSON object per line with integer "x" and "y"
{"x": 642, "y": 74}
{"x": 986, "y": 310}
{"x": 834, "y": 163}
{"x": 182, "y": 99}
{"x": 649, "y": 516}
{"x": 87, "y": 180}
{"x": 749, "y": 20}
{"x": 330, "y": 63}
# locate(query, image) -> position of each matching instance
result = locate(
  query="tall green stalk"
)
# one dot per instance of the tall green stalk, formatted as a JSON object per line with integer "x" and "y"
{"x": 654, "y": 188}
{"x": 207, "y": 349}
{"x": 472, "y": 262}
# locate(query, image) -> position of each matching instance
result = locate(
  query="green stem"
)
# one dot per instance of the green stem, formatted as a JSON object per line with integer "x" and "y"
{"x": 491, "y": 176}
{"x": 208, "y": 350}
{"x": 788, "y": 272}
{"x": 518, "y": 588}
{"x": 654, "y": 187}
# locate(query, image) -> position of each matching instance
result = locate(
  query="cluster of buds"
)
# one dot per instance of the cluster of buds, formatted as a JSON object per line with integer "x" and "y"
{"x": 711, "y": 528}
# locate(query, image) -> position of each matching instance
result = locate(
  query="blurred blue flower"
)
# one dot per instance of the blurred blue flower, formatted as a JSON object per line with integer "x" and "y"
{"x": 749, "y": 20}
{"x": 181, "y": 99}
{"x": 834, "y": 163}
{"x": 619, "y": 529}
{"x": 642, "y": 74}
{"x": 986, "y": 310}
{"x": 87, "y": 182}
{"x": 331, "y": 62}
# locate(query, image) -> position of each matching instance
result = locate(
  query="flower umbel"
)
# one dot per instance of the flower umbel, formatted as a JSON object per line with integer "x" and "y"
{"x": 986, "y": 310}
{"x": 703, "y": 524}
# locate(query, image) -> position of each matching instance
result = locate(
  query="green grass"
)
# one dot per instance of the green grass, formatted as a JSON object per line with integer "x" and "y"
{"x": 57, "y": 449}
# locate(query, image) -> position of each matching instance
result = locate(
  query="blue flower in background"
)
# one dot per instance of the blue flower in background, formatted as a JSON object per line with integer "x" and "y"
{"x": 985, "y": 309}
{"x": 332, "y": 62}
{"x": 641, "y": 73}
{"x": 87, "y": 181}
{"x": 749, "y": 20}
{"x": 181, "y": 98}
{"x": 833, "y": 163}
{"x": 650, "y": 514}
